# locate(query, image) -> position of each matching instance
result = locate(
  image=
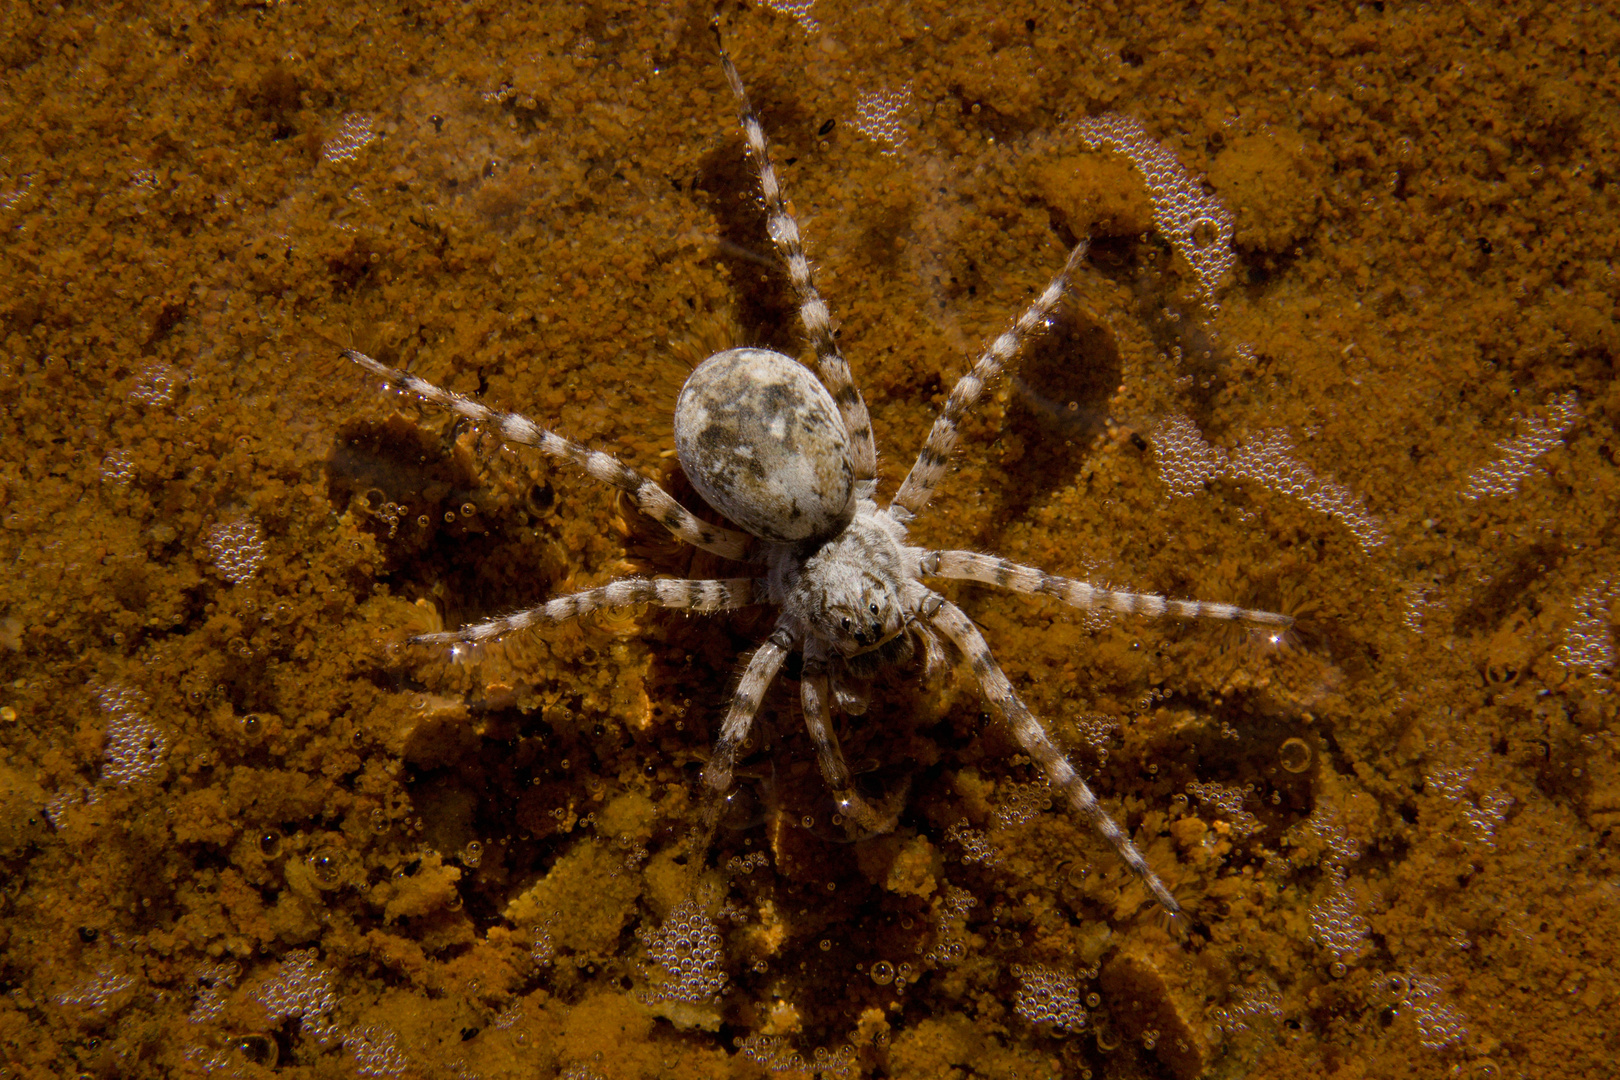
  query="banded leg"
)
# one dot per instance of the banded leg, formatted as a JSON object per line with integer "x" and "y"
{"x": 684, "y": 594}
{"x": 651, "y": 499}
{"x": 971, "y": 566}
{"x": 936, "y": 452}
{"x": 950, "y": 621}
{"x": 756, "y": 679}
{"x": 867, "y": 819}
{"x": 812, "y": 309}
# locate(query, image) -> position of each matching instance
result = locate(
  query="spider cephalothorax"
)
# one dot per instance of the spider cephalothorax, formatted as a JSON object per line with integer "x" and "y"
{"x": 791, "y": 461}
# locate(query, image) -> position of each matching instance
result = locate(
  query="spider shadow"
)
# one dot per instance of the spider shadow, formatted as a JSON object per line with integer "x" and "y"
{"x": 1060, "y": 406}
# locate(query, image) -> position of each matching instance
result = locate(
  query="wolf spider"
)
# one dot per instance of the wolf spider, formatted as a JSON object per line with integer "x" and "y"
{"x": 791, "y": 461}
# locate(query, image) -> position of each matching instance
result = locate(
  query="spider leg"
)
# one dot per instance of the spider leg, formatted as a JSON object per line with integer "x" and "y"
{"x": 971, "y": 566}
{"x": 684, "y": 594}
{"x": 936, "y": 452}
{"x": 866, "y": 818}
{"x": 951, "y": 622}
{"x": 651, "y": 499}
{"x": 813, "y": 313}
{"x": 756, "y": 679}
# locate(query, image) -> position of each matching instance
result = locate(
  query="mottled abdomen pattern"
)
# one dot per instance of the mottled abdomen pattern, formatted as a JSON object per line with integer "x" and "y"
{"x": 763, "y": 443}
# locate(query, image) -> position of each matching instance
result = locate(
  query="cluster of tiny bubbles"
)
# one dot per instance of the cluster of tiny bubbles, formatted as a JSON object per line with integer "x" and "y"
{"x": 687, "y": 946}
{"x": 388, "y": 512}
{"x": 1484, "y": 813}
{"x": 541, "y": 948}
{"x": 950, "y": 947}
{"x": 1249, "y": 1003}
{"x": 355, "y": 132}
{"x": 1228, "y": 799}
{"x": 1022, "y": 802}
{"x": 376, "y": 1051}
{"x": 879, "y": 115}
{"x": 1588, "y": 644}
{"x": 1439, "y": 1024}
{"x": 1094, "y": 730}
{"x": 301, "y": 988}
{"x": 1337, "y": 917}
{"x": 472, "y": 854}
{"x": 1518, "y": 455}
{"x": 135, "y": 748}
{"x": 155, "y": 385}
{"x": 578, "y": 1071}
{"x": 117, "y": 468}
{"x": 1186, "y": 460}
{"x": 799, "y": 11}
{"x": 236, "y": 548}
{"x": 746, "y": 864}
{"x": 508, "y": 1019}
{"x": 635, "y": 852}
{"x": 1047, "y": 995}
{"x": 1195, "y": 223}
{"x": 1294, "y": 755}
{"x": 772, "y": 1053}
{"x": 107, "y": 983}
{"x": 976, "y": 846}
{"x": 212, "y": 980}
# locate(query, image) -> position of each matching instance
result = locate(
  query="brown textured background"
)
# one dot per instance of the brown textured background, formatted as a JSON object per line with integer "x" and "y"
{"x": 553, "y": 211}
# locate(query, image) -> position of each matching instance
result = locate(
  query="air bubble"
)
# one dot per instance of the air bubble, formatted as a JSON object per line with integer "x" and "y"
{"x": 883, "y": 973}
{"x": 1294, "y": 755}
{"x": 472, "y": 854}
{"x": 326, "y": 865}
{"x": 270, "y": 844}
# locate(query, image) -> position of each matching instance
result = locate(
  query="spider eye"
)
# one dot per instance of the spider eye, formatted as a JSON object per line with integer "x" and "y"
{"x": 874, "y": 609}
{"x": 846, "y": 624}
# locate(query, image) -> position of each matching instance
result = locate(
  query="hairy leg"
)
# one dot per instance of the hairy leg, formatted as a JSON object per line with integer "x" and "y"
{"x": 652, "y": 500}
{"x": 867, "y": 819}
{"x": 684, "y": 594}
{"x": 813, "y": 313}
{"x": 745, "y": 702}
{"x": 990, "y": 570}
{"x": 950, "y": 621}
{"x": 936, "y": 452}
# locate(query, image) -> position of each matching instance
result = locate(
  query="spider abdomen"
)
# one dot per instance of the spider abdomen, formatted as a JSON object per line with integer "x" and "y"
{"x": 762, "y": 441}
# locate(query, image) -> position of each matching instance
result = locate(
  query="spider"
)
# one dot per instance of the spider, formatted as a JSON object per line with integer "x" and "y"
{"x": 792, "y": 462}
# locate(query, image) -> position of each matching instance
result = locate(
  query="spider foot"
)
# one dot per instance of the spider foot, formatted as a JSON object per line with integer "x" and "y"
{"x": 864, "y": 819}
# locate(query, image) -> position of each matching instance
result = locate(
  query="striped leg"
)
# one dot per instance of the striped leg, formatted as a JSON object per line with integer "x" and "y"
{"x": 970, "y": 566}
{"x": 756, "y": 679}
{"x": 936, "y": 452}
{"x": 651, "y": 499}
{"x": 867, "y": 819}
{"x": 684, "y": 594}
{"x": 951, "y": 622}
{"x": 812, "y": 309}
